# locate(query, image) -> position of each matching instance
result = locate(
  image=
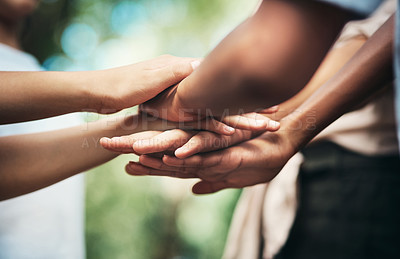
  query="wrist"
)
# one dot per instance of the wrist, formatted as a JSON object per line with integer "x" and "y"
{"x": 182, "y": 111}
{"x": 73, "y": 90}
{"x": 95, "y": 86}
{"x": 299, "y": 128}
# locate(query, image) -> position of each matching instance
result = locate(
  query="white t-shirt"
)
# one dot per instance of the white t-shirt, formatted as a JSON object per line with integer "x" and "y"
{"x": 48, "y": 223}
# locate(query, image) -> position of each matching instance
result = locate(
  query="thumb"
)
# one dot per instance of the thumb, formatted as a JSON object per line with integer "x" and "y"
{"x": 176, "y": 72}
{"x": 204, "y": 187}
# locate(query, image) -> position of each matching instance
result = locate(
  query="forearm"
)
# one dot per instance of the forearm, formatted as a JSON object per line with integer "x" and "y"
{"x": 367, "y": 72}
{"x": 333, "y": 62}
{"x": 34, "y": 161}
{"x": 265, "y": 61}
{"x": 34, "y": 95}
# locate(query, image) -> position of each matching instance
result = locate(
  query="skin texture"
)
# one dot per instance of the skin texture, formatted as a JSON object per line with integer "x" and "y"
{"x": 28, "y": 95}
{"x": 35, "y": 95}
{"x": 258, "y": 160}
{"x": 34, "y": 161}
{"x": 242, "y": 74}
{"x": 186, "y": 143}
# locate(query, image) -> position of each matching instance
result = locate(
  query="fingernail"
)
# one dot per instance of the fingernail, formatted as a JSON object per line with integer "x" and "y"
{"x": 181, "y": 150}
{"x": 104, "y": 139}
{"x": 228, "y": 129}
{"x": 274, "y": 124}
{"x": 260, "y": 123}
{"x": 195, "y": 64}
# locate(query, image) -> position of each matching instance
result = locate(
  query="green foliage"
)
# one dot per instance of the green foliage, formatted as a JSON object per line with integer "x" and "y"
{"x": 152, "y": 217}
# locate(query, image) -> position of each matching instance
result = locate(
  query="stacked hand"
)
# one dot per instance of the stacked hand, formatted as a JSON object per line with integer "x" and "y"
{"x": 250, "y": 155}
{"x": 225, "y": 151}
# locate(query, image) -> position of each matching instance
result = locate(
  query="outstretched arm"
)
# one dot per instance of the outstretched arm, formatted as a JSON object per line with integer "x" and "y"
{"x": 33, "y": 161}
{"x": 34, "y": 95}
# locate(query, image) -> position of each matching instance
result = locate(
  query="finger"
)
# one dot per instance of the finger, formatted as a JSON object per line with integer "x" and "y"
{"x": 217, "y": 163}
{"x": 134, "y": 168}
{"x": 168, "y": 140}
{"x": 271, "y": 110}
{"x": 200, "y": 142}
{"x": 204, "y": 160}
{"x": 208, "y": 141}
{"x": 157, "y": 163}
{"x": 117, "y": 144}
{"x": 217, "y": 127}
{"x": 209, "y": 173}
{"x": 177, "y": 71}
{"x": 124, "y": 144}
{"x": 251, "y": 121}
{"x": 209, "y": 124}
{"x": 204, "y": 187}
{"x": 165, "y": 60}
{"x": 271, "y": 125}
{"x": 157, "y": 155}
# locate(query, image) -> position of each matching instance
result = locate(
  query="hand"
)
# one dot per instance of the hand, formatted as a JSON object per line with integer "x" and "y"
{"x": 189, "y": 142}
{"x": 166, "y": 106}
{"x": 252, "y": 162}
{"x": 176, "y": 141}
{"x": 124, "y": 87}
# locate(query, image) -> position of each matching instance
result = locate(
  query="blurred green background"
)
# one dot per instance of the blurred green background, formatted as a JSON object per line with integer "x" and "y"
{"x": 139, "y": 217}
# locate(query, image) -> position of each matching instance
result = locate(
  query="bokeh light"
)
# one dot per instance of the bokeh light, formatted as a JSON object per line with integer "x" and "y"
{"x": 129, "y": 18}
{"x": 79, "y": 40}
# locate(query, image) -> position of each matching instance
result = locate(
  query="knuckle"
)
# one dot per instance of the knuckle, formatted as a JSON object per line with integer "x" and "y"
{"x": 179, "y": 70}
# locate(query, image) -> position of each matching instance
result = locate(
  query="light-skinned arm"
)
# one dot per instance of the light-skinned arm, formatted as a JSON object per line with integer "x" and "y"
{"x": 34, "y": 161}
{"x": 34, "y": 95}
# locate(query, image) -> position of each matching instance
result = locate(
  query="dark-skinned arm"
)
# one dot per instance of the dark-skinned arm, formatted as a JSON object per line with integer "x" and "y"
{"x": 264, "y": 61}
